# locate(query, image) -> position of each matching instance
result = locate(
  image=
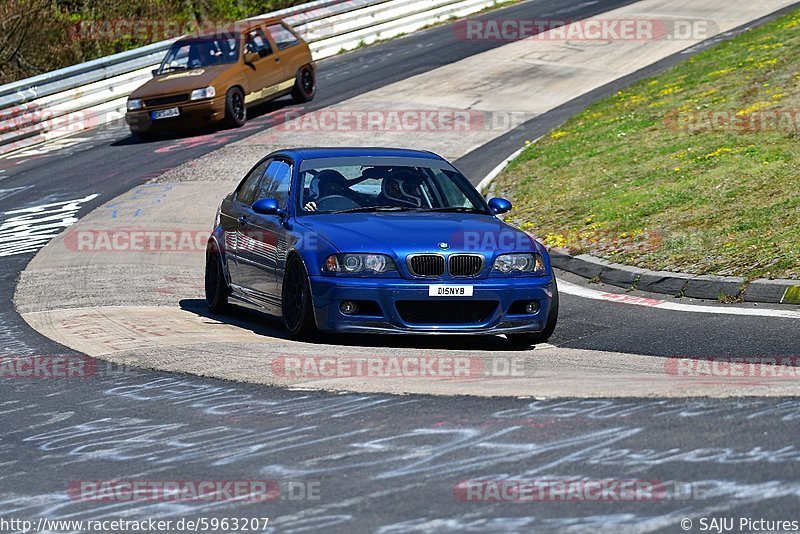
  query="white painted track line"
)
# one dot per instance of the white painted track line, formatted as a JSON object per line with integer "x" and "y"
{"x": 587, "y": 293}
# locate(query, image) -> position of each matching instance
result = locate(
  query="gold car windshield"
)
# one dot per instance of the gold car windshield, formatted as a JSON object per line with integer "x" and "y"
{"x": 200, "y": 53}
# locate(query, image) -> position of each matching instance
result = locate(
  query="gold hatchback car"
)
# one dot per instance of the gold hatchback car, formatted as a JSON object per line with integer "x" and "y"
{"x": 207, "y": 79}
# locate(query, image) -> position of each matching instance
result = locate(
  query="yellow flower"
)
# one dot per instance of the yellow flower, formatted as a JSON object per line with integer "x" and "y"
{"x": 717, "y": 152}
{"x": 765, "y": 63}
{"x": 753, "y": 107}
{"x": 722, "y": 71}
{"x": 558, "y": 134}
{"x": 556, "y": 240}
{"x": 792, "y": 23}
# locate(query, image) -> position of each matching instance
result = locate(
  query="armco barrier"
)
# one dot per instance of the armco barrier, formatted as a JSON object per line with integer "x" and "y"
{"x": 90, "y": 94}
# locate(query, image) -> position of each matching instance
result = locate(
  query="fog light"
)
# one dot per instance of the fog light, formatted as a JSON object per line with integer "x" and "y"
{"x": 532, "y": 307}
{"x": 348, "y": 308}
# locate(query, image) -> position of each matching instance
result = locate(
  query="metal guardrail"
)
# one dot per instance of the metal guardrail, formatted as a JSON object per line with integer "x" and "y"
{"x": 22, "y": 91}
{"x": 87, "y": 95}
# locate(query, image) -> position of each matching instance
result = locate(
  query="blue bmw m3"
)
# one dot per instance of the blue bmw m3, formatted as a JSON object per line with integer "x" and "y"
{"x": 373, "y": 240}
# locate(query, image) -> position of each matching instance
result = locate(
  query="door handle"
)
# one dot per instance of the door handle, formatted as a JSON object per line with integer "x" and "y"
{"x": 277, "y": 59}
{"x": 242, "y": 221}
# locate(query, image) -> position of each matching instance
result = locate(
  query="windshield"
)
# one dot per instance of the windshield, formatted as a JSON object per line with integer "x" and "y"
{"x": 200, "y": 53}
{"x": 351, "y": 188}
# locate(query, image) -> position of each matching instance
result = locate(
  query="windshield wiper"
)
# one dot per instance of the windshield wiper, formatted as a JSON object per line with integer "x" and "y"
{"x": 456, "y": 209}
{"x": 168, "y": 68}
{"x": 377, "y": 208}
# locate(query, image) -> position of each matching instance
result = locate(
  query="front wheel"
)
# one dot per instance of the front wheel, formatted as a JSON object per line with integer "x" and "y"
{"x": 296, "y": 305}
{"x": 305, "y": 85}
{"x": 216, "y": 286}
{"x": 526, "y": 340}
{"x": 235, "y": 110}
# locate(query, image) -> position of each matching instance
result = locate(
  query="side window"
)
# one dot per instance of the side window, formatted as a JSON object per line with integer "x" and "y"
{"x": 276, "y": 183}
{"x": 257, "y": 42}
{"x": 247, "y": 189}
{"x": 282, "y": 36}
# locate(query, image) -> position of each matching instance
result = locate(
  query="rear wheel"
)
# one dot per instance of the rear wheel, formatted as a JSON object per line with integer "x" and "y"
{"x": 305, "y": 85}
{"x": 216, "y": 286}
{"x": 526, "y": 340}
{"x": 297, "y": 308}
{"x": 235, "y": 110}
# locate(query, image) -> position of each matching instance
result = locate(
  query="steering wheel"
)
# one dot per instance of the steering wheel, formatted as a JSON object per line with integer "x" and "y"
{"x": 336, "y": 202}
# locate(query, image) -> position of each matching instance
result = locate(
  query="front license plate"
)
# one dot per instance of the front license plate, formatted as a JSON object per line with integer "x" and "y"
{"x": 449, "y": 291}
{"x": 165, "y": 113}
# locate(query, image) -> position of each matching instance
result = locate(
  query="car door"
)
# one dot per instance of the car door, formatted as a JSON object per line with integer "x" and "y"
{"x": 290, "y": 54}
{"x": 234, "y": 218}
{"x": 265, "y": 238}
{"x": 263, "y": 66}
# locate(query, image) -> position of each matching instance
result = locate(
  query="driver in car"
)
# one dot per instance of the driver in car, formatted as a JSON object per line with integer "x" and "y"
{"x": 326, "y": 183}
{"x": 401, "y": 188}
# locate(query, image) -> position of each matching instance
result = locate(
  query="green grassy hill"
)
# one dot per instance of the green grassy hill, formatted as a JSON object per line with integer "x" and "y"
{"x": 696, "y": 170}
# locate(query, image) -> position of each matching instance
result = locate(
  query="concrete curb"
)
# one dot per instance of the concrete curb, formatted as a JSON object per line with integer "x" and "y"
{"x": 678, "y": 284}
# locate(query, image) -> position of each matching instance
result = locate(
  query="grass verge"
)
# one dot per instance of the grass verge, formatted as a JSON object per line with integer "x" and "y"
{"x": 695, "y": 170}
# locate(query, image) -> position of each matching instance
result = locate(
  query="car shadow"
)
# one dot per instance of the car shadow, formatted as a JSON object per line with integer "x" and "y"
{"x": 254, "y": 114}
{"x": 265, "y": 325}
{"x": 237, "y": 316}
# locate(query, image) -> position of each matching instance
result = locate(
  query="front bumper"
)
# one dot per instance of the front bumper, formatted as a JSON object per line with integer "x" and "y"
{"x": 329, "y": 292}
{"x": 192, "y": 114}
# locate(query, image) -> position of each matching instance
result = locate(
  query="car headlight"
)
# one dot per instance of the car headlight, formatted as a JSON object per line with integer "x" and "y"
{"x": 134, "y": 104}
{"x": 523, "y": 263}
{"x": 359, "y": 263}
{"x": 205, "y": 92}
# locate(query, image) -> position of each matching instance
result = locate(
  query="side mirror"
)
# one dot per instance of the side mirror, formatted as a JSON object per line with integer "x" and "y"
{"x": 250, "y": 58}
{"x": 268, "y": 206}
{"x": 154, "y": 72}
{"x": 499, "y": 205}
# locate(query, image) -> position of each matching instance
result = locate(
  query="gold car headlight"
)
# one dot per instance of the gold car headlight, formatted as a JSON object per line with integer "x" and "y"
{"x": 205, "y": 92}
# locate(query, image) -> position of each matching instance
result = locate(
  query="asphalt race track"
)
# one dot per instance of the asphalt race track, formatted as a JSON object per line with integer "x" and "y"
{"x": 380, "y": 462}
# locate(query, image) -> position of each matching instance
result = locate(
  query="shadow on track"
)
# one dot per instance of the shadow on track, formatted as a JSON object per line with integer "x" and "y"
{"x": 268, "y": 326}
{"x": 255, "y": 113}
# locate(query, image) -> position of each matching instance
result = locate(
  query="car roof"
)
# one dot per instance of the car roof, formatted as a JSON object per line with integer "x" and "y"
{"x": 338, "y": 152}
{"x": 229, "y": 29}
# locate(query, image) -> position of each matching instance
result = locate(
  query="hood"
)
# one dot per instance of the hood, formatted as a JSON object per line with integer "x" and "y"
{"x": 183, "y": 81}
{"x": 400, "y": 234}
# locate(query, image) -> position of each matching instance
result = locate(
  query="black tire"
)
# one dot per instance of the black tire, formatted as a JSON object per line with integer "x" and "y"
{"x": 216, "y": 286}
{"x": 296, "y": 306}
{"x": 526, "y": 340}
{"x": 235, "y": 108}
{"x": 305, "y": 85}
